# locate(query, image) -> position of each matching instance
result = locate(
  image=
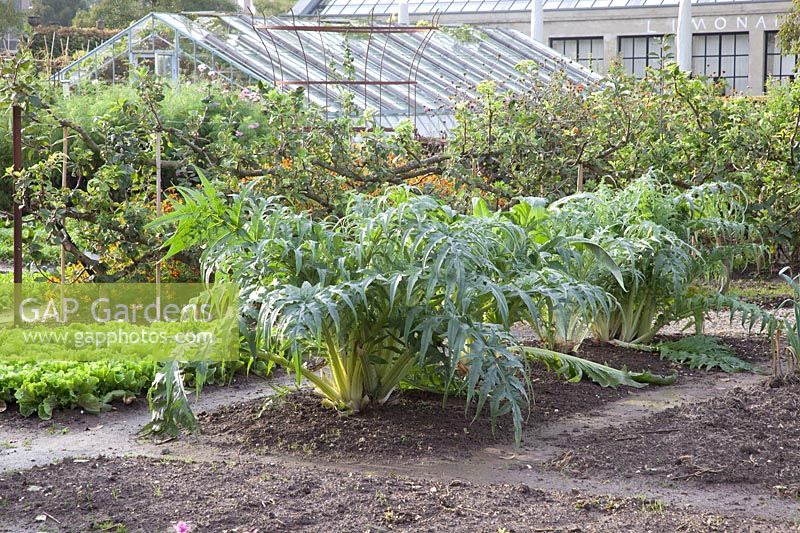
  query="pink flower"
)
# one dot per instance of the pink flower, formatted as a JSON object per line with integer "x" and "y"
{"x": 181, "y": 527}
{"x": 238, "y": 133}
{"x": 247, "y": 94}
{"x": 254, "y": 125}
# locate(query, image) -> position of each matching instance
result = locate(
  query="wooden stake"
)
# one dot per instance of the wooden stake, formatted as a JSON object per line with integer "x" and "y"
{"x": 159, "y": 207}
{"x": 65, "y": 149}
{"x": 159, "y": 212}
{"x": 16, "y": 142}
{"x": 579, "y": 187}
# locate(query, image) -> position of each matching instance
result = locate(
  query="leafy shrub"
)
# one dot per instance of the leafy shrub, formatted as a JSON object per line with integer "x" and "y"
{"x": 35, "y": 246}
{"x": 792, "y": 325}
{"x": 534, "y": 142}
{"x": 663, "y": 240}
{"x": 400, "y": 282}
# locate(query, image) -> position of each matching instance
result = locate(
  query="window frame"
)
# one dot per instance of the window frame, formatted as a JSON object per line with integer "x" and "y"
{"x": 649, "y": 60}
{"x": 731, "y": 80}
{"x": 592, "y": 61}
{"x": 777, "y": 53}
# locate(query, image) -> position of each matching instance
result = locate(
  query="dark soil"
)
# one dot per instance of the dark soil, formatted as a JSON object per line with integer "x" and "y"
{"x": 413, "y": 424}
{"x": 151, "y": 495}
{"x": 64, "y": 419}
{"x": 747, "y": 436}
{"x": 753, "y": 349}
{"x": 633, "y": 360}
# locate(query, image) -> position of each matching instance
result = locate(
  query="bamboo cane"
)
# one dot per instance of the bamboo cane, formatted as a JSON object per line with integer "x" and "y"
{"x": 159, "y": 212}
{"x": 64, "y": 170}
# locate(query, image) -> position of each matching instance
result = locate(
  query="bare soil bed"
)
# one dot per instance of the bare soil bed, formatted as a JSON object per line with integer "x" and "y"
{"x": 288, "y": 464}
{"x": 416, "y": 424}
{"x": 748, "y": 436}
{"x": 141, "y": 494}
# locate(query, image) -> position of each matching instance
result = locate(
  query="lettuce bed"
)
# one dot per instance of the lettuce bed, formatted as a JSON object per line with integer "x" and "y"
{"x": 41, "y": 387}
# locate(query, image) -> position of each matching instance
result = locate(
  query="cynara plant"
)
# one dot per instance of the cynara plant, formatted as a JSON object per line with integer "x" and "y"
{"x": 567, "y": 264}
{"x": 792, "y": 327}
{"x": 664, "y": 241}
{"x": 401, "y": 282}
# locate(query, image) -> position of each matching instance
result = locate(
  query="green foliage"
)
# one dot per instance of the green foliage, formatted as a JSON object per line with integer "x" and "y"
{"x": 60, "y": 12}
{"x": 11, "y": 18}
{"x": 272, "y": 7}
{"x": 792, "y": 325}
{"x": 35, "y": 245}
{"x": 234, "y": 137}
{"x": 663, "y": 239}
{"x": 575, "y": 368}
{"x": 750, "y": 315}
{"x": 42, "y": 387}
{"x": 703, "y": 352}
{"x": 170, "y": 412}
{"x": 399, "y": 282}
{"x": 508, "y": 145}
{"x": 119, "y": 13}
{"x": 789, "y": 30}
{"x": 572, "y": 303}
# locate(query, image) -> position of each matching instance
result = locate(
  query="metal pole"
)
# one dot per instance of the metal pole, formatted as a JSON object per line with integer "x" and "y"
{"x": 683, "y": 37}
{"x": 537, "y": 20}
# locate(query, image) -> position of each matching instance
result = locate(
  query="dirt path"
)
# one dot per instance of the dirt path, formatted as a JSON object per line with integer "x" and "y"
{"x": 110, "y": 434}
{"x": 532, "y": 464}
{"x": 481, "y": 465}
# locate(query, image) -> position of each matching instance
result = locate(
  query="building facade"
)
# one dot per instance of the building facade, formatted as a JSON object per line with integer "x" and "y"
{"x": 734, "y": 41}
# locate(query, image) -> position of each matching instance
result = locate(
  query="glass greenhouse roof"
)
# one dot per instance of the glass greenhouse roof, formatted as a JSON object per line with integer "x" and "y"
{"x": 401, "y": 72}
{"x": 334, "y": 8}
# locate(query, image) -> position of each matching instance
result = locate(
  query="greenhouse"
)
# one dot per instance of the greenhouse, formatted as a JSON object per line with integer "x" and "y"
{"x": 395, "y": 72}
{"x": 302, "y": 273}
